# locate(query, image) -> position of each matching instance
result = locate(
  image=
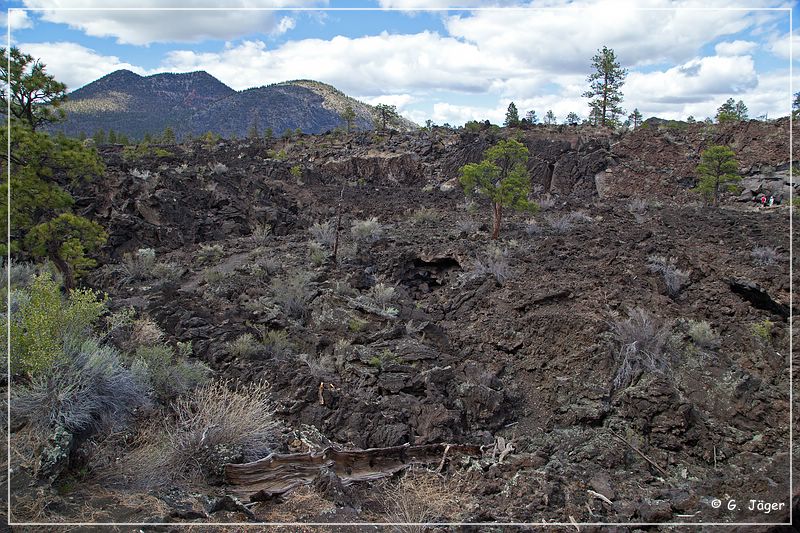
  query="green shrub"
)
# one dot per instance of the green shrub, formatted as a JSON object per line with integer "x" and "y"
{"x": 323, "y": 233}
{"x": 317, "y": 253}
{"x": 277, "y": 343}
{"x": 209, "y": 253}
{"x": 356, "y": 324}
{"x": 45, "y": 320}
{"x": 294, "y": 294}
{"x": 763, "y": 330}
{"x": 88, "y": 391}
{"x": 244, "y": 347}
{"x": 366, "y": 232}
{"x": 166, "y": 375}
{"x": 425, "y": 215}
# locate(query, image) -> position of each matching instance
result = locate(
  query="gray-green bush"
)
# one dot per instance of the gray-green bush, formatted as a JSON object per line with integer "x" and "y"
{"x": 641, "y": 346}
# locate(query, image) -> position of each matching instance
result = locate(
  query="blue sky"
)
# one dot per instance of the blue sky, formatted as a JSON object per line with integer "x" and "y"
{"x": 448, "y": 66}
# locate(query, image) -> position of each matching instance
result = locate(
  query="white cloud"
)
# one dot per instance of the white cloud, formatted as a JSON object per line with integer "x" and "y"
{"x": 695, "y": 80}
{"x": 440, "y": 4}
{"x": 735, "y": 48}
{"x": 398, "y": 100}
{"x": 378, "y": 64}
{"x": 564, "y": 40}
{"x": 145, "y": 26}
{"x": 74, "y": 64}
{"x": 18, "y": 19}
{"x": 457, "y": 115}
{"x": 785, "y": 46}
{"x": 538, "y": 58}
{"x": 286, "y": 24}
{"x": 13, "y": 20}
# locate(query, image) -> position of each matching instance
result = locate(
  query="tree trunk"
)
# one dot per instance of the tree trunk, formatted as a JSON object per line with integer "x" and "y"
{"x": 64, "y": 268}
{"x": 497, "y": 209}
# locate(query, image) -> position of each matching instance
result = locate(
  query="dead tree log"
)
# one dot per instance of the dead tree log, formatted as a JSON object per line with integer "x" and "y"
{"x": 278, "y": 474}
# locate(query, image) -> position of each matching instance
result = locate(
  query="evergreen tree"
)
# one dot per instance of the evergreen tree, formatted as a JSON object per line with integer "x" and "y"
{"x": 253, "y": 131}
{"x": 112, "y": 137}
{"x": 718, "y": 171}
{"x": 349, "y": 116}
{"x": 168, "y": 136}
{"x": 550, "y": 117}
{"x": 99, "y": 137}
{"x": 531, "y": 116}
{"x": 42, "y": 224}
{"x": 635, "y": 118}
{"x": 385, "y": 115}
{"x": 731, "y": 111}
{"x": 512, "y": 116}
{"x": 502, "y": 177}
{"x": 604, "y": 87}
{"x": 35, "y": 96}
{"x": 796, "y": 104}
{"x": 572, "y": 118}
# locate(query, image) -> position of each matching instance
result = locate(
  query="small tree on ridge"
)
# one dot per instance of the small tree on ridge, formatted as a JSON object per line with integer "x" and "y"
{"x": 502, "y": 177}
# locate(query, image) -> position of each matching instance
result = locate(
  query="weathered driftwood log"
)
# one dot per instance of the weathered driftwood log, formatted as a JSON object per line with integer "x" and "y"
{"x": 277, "y": 474}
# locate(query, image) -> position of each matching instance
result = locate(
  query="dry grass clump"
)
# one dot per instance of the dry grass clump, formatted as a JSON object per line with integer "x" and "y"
{"x": 294, "y": 294}
{"x": 211, "y": 422}
{"x": 425, "y": 215}
{"x": 765, "y": 255}
{"x": 423, "y": 497}
{"x": 382, "y": 294}
{"x": 323, "y": 233}
{"x": 641, "y": 346}
{"x": 467, "y": 225}
{"x": 366, "y": 232}
{"x": 145, "y": 332}
{"x": 703, "y": 335}
{"x": 245, "y": 346}
{"x": 674, "y": 279}
{"x": 494, "y": 263}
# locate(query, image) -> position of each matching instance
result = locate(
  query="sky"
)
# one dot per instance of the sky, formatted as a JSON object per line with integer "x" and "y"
{"x": 433, "y": 61}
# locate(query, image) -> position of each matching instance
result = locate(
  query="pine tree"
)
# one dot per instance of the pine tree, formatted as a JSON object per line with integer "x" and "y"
{"x": 550, "y": 117}
{"x": 35, "y": 96}
{"x": 731, "y": 111}
{"x": 635, "y": 118}
{"x": 531, "y": 116}
{"x": 253, "y": 132}
{"x": 718, "y": 171}
{"x": 502, "y": 177}
{"x": 512, "y": 116}
{"x": 349, "y": 116}
{"x": 168, "y": 136}
{"x": 112, "y": 137}
{"x": 604, "y": 87}
{"x": 386, "y": 115}
{"x": 740, "y": 110}
{"x": 572, "y": 118}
